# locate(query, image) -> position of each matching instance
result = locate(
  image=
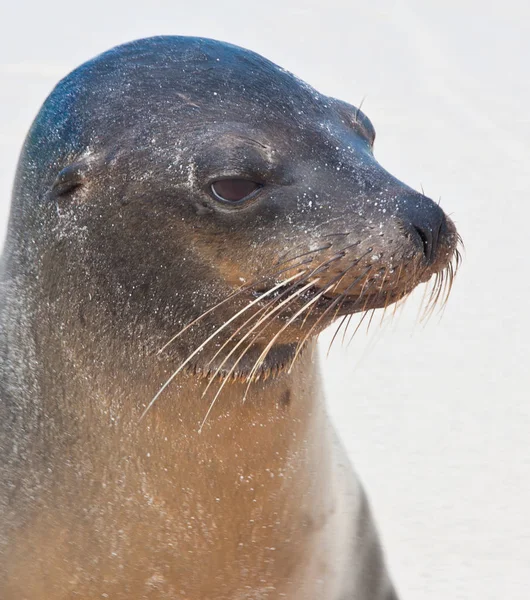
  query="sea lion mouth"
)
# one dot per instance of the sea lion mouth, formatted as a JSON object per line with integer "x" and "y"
{"x": 343, "y": 303}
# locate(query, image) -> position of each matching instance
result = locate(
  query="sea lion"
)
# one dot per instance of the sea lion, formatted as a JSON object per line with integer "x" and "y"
{"x": 186, "y": 218}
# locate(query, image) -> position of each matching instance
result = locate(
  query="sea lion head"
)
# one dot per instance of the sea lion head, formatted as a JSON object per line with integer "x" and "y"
{"x": 173, "y": 175}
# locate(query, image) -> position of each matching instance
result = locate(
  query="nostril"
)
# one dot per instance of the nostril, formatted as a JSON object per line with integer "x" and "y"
{"x": 438, "y": 232}
{"x": 426, "y": 240}
{"x": 425, "y": 223}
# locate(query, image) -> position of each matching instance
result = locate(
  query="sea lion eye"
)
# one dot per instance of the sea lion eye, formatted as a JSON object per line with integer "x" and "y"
{"x": 234, "y": 190}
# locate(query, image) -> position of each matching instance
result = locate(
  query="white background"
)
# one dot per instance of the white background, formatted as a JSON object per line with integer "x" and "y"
{"x": 436, "y": 418}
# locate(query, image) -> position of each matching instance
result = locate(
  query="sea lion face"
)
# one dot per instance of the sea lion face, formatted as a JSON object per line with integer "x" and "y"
{"x": 197, "y": 170}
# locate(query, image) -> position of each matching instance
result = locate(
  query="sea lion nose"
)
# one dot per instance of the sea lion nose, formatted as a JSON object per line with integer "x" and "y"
{"x": 426, "y": 222}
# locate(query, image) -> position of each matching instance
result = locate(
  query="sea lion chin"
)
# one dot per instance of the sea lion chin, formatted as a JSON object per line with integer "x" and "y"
{"x": 186, "y": 218}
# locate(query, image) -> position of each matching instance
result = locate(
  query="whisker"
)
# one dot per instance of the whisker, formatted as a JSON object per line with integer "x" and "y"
{"x": 358, "y": 109}
{"x": 357, "y": 328}
{"x": 315, "y": 250}
{"x": 372, "y": 313}
{"x": 396, "y": 304}
{"x": 436, "y": 294}
{"x": 421, "y": 308}
{"x": 336, "y": 332}
{"x": 381, "y": 293}
{"x": 346, "y": 329}
{"x": 387, "y": 304}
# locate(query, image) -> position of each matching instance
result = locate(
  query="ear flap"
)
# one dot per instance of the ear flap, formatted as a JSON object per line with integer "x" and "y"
{"x": 70, "y": 179}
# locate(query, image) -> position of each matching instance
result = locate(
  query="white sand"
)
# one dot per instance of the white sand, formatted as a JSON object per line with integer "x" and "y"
{"x": 437, "y": 419}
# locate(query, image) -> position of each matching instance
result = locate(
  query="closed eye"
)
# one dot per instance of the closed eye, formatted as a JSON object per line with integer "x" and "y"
{"x": 234, "y": 191}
